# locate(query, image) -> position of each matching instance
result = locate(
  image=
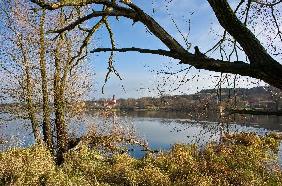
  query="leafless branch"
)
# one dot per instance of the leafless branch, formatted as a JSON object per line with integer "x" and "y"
{"x": 133, "y": 49}
{"x": 262, "y": 65}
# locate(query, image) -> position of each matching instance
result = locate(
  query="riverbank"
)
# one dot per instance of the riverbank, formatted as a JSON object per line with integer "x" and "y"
{"x": 241, "y": 159}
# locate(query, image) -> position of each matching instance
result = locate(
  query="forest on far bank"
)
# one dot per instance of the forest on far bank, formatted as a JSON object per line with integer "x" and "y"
{"x": 257, "y": 98}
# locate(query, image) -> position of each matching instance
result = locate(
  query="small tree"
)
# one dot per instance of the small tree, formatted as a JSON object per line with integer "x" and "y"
{"x": 43, "y": 72}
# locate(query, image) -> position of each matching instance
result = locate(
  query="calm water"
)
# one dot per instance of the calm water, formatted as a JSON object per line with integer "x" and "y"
{"x": 160, "y": 129}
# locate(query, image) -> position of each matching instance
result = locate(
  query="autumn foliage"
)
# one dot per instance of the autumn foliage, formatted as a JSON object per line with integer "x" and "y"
{"x": 240, "y": 159}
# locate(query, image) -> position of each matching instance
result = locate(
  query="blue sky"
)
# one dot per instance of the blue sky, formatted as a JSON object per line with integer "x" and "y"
{"x": 139, "y": 71}
{"x": 135, "y": 68}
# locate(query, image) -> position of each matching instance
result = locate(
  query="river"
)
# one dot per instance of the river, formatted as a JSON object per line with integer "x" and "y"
{"x": 160, "y": 129}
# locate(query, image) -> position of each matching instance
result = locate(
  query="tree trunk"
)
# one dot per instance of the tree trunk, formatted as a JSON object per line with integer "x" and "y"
{"x": 47, "y": 132}
{"x": 59, "y": 104}
{"x": 29, "y": 94}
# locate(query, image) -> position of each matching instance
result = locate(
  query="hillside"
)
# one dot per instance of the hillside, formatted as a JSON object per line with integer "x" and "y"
{"x": 261, "y": 98}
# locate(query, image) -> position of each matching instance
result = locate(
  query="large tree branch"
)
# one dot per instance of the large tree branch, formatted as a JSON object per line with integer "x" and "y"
{"x": 268, "y": 68}
{"x": 199, "y": 62}
{"x": 158, "y": 30}
{"x": 63, "y": 3}
{"x": 216, "y": 65}
{"x": 136, "y": 15}
{"x": 124, "y": 12}
{"x": 262, "y": 65}
{"x": 140, "y": 50}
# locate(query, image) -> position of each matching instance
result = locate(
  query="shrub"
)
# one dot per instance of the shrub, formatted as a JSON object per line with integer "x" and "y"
{"x": 25, "y": 166}
{"x": 241, "y": 159}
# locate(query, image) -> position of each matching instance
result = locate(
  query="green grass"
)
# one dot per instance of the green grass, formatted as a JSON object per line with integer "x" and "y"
{"x": 241, "y": 159}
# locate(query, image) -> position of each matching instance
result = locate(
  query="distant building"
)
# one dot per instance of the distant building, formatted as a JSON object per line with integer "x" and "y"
{"x": 109, "y": 104}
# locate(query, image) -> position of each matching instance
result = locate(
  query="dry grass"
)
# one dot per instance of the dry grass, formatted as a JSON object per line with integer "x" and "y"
{"x": 242, "y": 159}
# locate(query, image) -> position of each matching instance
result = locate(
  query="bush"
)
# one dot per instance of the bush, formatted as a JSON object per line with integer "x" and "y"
{"x": 241, "y": 159}
{"x": 25, "y": 166}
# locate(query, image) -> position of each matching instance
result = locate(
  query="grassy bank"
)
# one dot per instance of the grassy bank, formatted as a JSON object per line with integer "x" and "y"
{"x": 241, "y": 159}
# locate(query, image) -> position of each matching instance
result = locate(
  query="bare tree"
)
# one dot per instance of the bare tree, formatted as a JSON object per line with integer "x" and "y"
{"x": 19, "y": 64}
{"x": 42, "y": 72}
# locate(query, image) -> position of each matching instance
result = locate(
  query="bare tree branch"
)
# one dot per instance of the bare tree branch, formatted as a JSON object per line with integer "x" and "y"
{"x": 268, "y": 69}
{"x": 81, "y": 20}
{"x": 262, "y": 65}
{"x": 60, "y": 4}
{"x": 140, "y": 50}
{"x": 267, "y": 4}
{"x": 199, "y": 62}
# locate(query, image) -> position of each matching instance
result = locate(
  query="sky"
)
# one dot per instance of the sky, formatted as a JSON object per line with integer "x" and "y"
{"x": 139, "y": 71}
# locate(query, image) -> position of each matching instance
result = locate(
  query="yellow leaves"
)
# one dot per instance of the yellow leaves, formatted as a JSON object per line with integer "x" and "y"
{"x": 243, "y": 159}
{"x": 26, "y": 165}
{"x": 154, "y": 176}
{"x": 123, "y": 161}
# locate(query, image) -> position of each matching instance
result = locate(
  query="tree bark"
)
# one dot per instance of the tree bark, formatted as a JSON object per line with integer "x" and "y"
{"x": 59, "y": 105}
{"x": 47, "y": 132}
{"x": 261, "y": 62}
{"x": 29, "y": 94}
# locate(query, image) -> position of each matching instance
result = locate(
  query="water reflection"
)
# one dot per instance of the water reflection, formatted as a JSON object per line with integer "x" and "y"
{"x": 160, "y": 129}
{"x": 163, "y": 129}
{"x": 270, "y": 122}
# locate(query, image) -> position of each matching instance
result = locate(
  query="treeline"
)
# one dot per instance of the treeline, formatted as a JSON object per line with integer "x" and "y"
{"x": 169, "y": 103}
{"x": 205, "y": 100}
